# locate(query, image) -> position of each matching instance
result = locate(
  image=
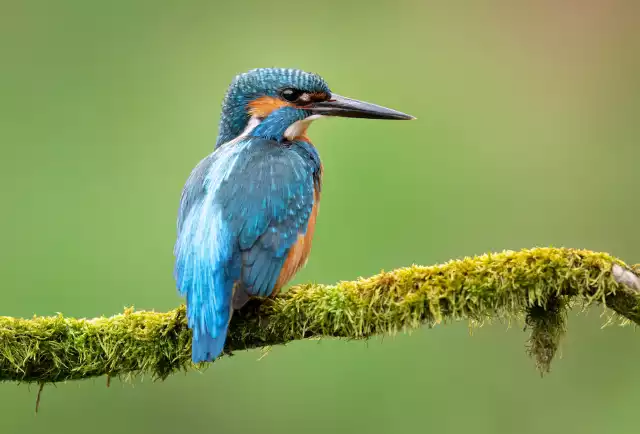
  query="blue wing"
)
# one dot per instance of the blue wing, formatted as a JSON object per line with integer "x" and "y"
{"x": 242, "y": 209}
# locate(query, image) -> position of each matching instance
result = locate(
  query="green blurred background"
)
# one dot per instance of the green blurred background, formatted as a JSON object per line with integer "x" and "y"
{"x": 527, "y": 135}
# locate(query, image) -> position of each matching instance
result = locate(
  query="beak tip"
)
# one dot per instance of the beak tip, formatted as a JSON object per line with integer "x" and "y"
{"x": 401, "y": 116}
{"x": 406, "y": 117}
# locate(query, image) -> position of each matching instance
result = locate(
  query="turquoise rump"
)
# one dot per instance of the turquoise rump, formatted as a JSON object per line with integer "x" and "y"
{"x": 248, "y": 210}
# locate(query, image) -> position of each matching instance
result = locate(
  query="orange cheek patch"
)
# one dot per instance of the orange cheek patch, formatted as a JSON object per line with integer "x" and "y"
{"x": 265, "y": 105}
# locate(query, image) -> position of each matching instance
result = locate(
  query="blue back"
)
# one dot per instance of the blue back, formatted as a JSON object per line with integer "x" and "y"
{"x": 241, "y": 210}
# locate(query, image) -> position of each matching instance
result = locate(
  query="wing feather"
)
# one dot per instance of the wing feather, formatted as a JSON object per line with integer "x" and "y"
{"x": 242, "y": 209}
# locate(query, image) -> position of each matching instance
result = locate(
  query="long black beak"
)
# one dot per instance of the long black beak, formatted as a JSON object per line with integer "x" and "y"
{"x": 352, "y": 108}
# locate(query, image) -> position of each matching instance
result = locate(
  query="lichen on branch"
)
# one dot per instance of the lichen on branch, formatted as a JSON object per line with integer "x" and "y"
{"x": 536, "y": 284}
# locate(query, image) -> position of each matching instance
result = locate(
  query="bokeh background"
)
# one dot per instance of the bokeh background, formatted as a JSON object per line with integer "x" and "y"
{"x": 527, "y": 135}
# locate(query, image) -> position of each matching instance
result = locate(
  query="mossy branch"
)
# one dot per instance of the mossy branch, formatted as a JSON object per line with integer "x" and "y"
{"x": 537, "y": 284}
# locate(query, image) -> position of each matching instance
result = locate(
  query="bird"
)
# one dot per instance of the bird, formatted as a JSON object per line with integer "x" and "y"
{"x": 248, "y": 210}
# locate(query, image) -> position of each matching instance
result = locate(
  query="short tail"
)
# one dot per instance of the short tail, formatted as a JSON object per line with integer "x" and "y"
{"x": 209, "y": 297}
{"x": 204, "y": 348}
{"x": 208, "y": 317}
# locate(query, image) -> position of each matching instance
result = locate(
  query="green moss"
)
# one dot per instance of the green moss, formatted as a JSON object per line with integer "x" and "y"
{"x": 539, "y": 284}
{"x": 548, "y": 325}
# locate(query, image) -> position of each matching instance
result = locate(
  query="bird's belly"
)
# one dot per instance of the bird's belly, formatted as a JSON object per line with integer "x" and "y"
{"x": 299, "y": 252}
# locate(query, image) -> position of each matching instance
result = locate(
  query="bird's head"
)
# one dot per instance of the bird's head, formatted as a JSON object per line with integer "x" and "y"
{"x": 263, "y": 93}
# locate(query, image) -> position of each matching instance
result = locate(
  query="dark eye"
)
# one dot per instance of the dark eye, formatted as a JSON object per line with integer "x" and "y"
{"x": 291, "y": 95}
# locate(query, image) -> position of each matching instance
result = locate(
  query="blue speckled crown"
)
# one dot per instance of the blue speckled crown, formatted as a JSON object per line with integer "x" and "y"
{"x": 256, "y": 83}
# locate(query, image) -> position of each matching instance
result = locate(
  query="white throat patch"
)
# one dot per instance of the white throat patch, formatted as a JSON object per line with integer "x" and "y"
{"x": 296, "y": 129}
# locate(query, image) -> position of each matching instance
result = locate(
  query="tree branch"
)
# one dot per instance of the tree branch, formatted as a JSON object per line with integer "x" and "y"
{"x": 540, "y": 284}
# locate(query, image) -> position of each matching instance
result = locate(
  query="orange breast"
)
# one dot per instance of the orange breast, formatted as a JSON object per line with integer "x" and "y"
{"x": 299, "y": 252}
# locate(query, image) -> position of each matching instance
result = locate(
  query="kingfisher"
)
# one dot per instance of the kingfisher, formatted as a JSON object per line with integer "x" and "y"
{"x": 248, "y": 210}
